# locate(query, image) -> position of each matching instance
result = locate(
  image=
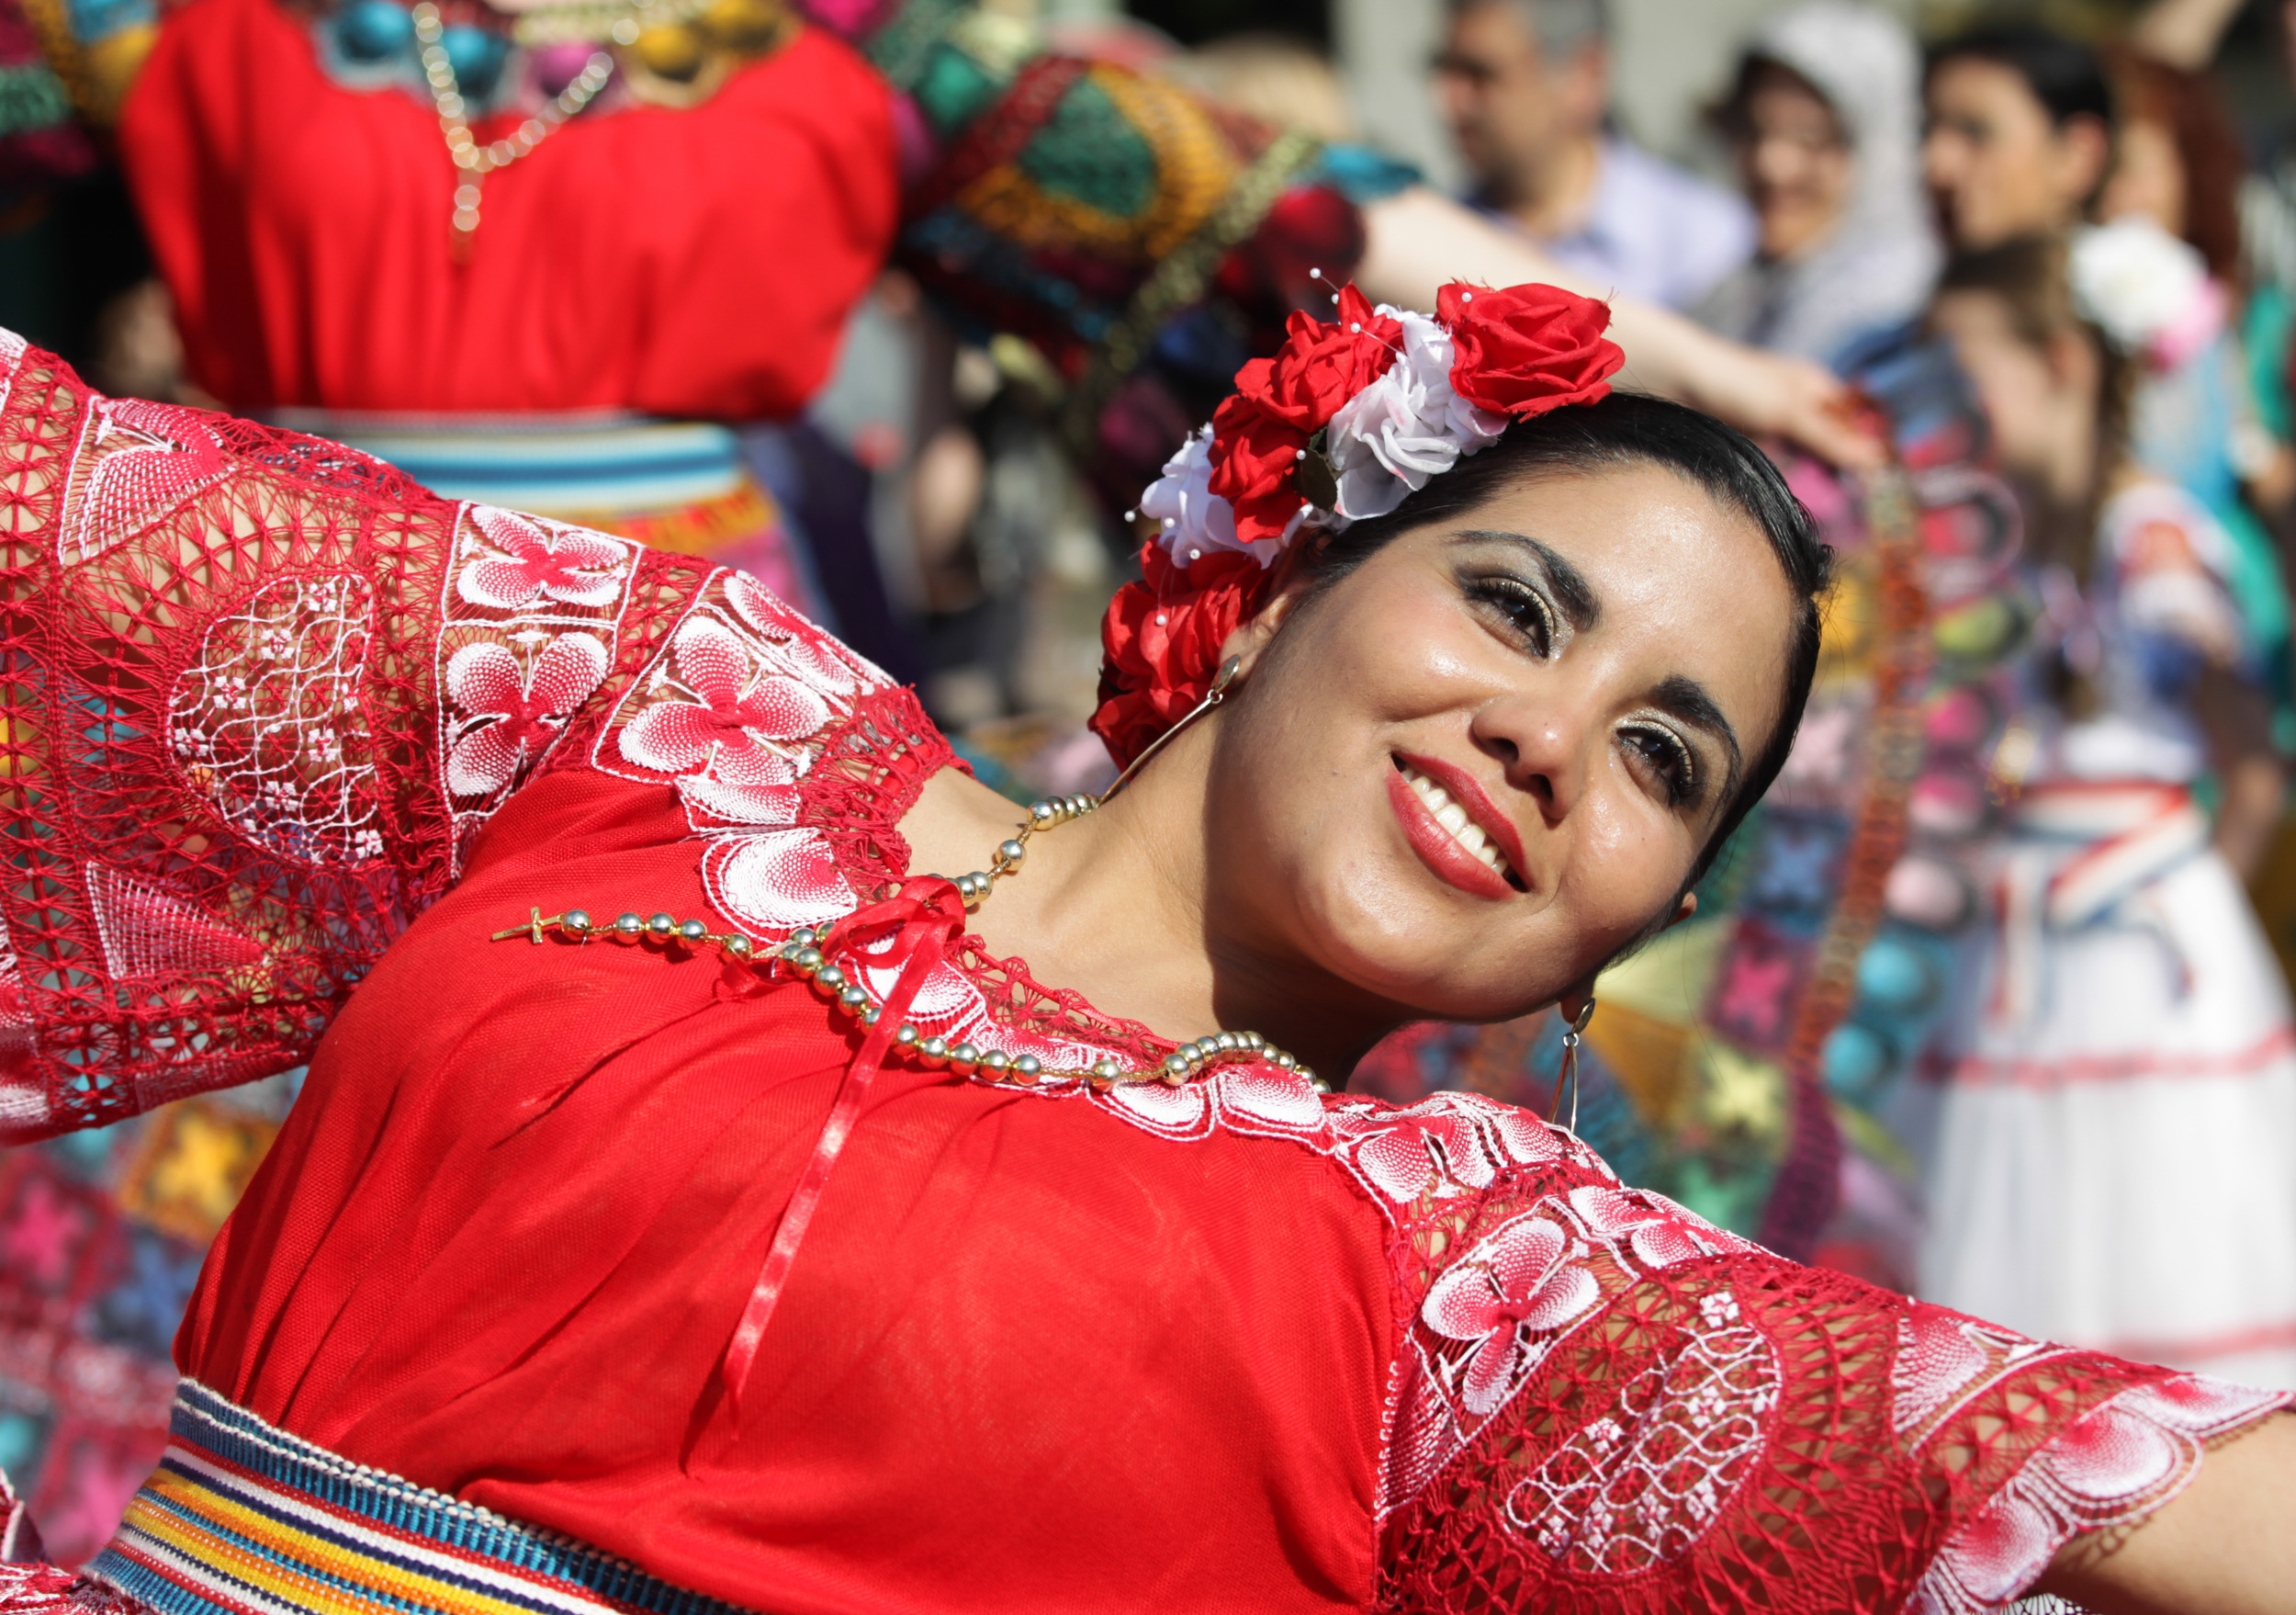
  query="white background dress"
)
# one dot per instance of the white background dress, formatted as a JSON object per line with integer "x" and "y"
{"x": 2112, "y": 1120}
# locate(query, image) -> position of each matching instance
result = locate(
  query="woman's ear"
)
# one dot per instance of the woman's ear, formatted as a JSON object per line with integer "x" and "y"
{"x": 1250, "y": 638}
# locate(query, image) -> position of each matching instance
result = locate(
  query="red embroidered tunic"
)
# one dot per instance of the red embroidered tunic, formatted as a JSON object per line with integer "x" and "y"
{"x": 695, "y": 263}
{"x": 1235, "y": 1345}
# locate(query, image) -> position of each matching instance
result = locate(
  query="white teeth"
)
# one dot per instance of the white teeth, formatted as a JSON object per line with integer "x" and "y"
{"x": 1452, "y": 818}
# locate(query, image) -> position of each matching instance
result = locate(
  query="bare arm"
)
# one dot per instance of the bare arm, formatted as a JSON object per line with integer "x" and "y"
{"x": 1418, "y": 238}
{"x": 2236, "y": 720}
{"x": 2227, "y": 1545}
{"x": 2183, "y": 33}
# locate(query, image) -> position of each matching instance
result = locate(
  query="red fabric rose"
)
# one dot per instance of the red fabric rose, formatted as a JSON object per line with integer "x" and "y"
{"x": 1254, "y": 458}
{"x": 1161, "y": 640}
{"x": 1527, "y": 349}
{"x": 1322, "y": 364}
{"x": 1260, "y": 429}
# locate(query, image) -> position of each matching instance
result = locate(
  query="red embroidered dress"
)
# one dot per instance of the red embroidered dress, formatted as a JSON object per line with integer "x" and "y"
{"x": 280, "y": 724}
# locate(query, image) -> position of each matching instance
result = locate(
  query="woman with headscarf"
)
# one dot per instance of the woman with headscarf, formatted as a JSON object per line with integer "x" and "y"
{"x": 1827, "y": 114}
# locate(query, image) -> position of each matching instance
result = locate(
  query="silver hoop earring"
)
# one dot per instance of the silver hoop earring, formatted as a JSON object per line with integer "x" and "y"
{"x": 1212, "y": 697}
{"x": 1569, "y": 1071}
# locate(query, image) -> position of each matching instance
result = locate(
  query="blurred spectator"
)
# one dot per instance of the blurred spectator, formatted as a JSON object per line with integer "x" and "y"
{"x": 2020, "y": 134}
{"x": 1525, "y": 85}
{"x": 1826, "y": 116}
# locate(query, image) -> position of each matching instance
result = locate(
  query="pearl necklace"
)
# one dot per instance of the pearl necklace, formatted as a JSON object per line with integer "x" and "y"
{"x": 475, "y": 160}
{"x": 806, "y": 954}
{"x": 1050, "y": 813}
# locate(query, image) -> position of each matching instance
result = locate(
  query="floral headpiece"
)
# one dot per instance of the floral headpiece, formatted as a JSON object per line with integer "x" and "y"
{"x": 1349, "y": 417}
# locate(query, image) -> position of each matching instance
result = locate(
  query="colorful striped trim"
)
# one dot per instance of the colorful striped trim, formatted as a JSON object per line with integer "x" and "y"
{"x": 613, "y": 466}
{"x": 242, "y": 1519}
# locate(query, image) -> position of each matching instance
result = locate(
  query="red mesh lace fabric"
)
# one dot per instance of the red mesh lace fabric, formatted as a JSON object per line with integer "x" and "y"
{"x": 279, "y": 725}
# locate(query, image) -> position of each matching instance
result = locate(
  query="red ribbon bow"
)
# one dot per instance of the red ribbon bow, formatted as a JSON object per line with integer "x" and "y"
{"x": 927, "y": 916}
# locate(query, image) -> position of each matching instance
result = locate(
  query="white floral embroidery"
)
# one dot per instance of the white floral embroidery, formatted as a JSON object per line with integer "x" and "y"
{"x": 734, "y": 715}
{"x": 1508, "y": 1298}
{"x": 1640, "y": 1486}
{"x": 533, "y": 608}
{"x": 136, "y": 462}
{"x": 1660, "y": 1233}
{"x": 2119, "y": 1464}
{"x": 515, "y": 712}
{"x": 525, "y": 560}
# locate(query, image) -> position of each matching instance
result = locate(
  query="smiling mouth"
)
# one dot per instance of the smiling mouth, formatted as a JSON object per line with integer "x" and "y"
{"x": 1454, "y": 822}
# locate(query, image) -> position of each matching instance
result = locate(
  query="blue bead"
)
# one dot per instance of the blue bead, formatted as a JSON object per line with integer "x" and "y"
{"x": 1895, "y": 977}
{"x": 373, "y": 31}
{"x": 476, "y": 58}
{"x": 1857, "y": 1058}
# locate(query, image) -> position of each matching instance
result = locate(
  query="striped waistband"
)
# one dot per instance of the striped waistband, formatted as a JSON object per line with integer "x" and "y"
{"x": 557, "y": 467}
{"x": 242, "y": 1519}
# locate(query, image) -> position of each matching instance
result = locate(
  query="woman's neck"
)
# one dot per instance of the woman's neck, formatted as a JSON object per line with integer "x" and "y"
{"x": 1114, "y": 906}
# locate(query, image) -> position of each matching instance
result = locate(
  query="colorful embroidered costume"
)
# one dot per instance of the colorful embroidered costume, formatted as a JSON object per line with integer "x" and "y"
{"x": 281, "y": 725}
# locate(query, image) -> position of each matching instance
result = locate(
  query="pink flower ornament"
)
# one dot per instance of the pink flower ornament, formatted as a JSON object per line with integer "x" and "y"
{"x": 526, "y": 560}
{"x": 514, "y": 712}
{"x": 1507, "y": 1298}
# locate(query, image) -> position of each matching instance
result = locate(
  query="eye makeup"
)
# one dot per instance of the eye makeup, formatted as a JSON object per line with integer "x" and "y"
{"x": 1522, "y": 609}
{"x": 1540, "y": 602}
{"x": 1668, "y": 756}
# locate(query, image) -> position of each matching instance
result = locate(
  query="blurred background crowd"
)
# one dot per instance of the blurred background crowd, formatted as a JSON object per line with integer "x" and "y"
{"x": 1990, "y": 1000}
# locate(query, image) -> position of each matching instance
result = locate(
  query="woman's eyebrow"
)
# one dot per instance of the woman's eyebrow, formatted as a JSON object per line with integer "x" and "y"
{"x": 1573, "y": 592}
{"x": 1679, "y": 696}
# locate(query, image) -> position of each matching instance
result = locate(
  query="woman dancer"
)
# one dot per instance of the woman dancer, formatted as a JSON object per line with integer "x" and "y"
{"x": 2122, "y": 1061}
{"x": 702, "y": 1205}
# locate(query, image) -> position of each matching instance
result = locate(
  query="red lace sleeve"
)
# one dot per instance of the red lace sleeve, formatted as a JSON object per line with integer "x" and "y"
{"x": 1607, "y": 1405}
{"x": 261, "y": 690}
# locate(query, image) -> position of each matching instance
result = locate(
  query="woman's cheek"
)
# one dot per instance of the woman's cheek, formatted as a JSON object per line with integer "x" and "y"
{"x": 1629, "y": 858}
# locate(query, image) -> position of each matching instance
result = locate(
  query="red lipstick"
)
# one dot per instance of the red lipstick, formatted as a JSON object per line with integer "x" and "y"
{"x": 1434, "y": 846}
{"x": 1462, "y": 787}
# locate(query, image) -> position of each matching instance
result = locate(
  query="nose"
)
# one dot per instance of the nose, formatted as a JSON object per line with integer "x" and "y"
{"x": 1548, "y": 747}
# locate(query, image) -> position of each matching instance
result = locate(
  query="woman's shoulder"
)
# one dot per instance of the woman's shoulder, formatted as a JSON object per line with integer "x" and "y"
{"x": 791, "y": 756}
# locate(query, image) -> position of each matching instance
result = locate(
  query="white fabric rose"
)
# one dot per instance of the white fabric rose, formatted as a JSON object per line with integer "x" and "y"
{"x": 1192, "y": 519}
{"x": 1405, "y": 427}
{"x": 2143, "y": 286}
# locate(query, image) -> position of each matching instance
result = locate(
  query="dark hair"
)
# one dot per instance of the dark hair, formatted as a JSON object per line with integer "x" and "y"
{"x": 2191, "y": 109}
{"x": 2065, "y": 75}
{"x": 1632, "y": 429}
{"x": 2031, "y": 278}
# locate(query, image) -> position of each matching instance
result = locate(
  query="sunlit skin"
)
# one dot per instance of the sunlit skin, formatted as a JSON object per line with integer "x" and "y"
{"x": 2148, "y": 177}
{"x": 1998, "y": 166}
{"x": 1795, "y": 160}
{"x": 1527, "y": 127}
{"x": 1602, "y": 654}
